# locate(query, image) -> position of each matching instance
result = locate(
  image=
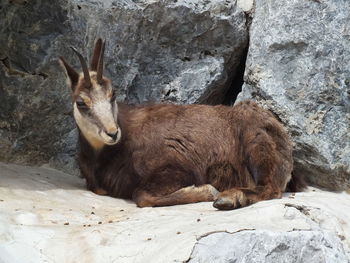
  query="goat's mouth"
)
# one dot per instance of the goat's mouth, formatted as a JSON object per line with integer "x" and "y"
{"x": 110, "y": 139}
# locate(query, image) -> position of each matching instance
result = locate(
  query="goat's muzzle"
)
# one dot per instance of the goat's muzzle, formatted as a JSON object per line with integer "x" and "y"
{"x": 113, "y": 135}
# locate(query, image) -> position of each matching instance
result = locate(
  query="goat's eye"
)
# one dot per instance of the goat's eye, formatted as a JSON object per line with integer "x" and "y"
{"x": 80, "y": 103}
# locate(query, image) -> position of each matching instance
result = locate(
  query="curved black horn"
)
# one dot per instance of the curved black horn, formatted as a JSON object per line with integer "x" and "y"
{"x": 84, "y": 66}
{"x": 96, "y": 55}
{"x": 100, "y": 64}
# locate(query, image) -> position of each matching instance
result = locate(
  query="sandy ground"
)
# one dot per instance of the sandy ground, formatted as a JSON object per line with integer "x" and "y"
{"x": 48, "y": 216}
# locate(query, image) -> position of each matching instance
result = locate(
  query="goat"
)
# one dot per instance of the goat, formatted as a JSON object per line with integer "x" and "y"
{"x": 164, "y": 154}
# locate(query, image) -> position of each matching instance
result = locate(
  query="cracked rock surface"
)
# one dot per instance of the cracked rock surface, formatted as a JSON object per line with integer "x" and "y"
{"x": 48, "y": 216}
{"x": 171, "y": 51}
{"x": 298, "y": 66}
{"x": 312, "y": 246}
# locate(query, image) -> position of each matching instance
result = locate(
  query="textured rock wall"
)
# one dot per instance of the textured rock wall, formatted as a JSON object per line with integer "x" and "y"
{"x": 299, "y": 67}
{"x": 35, "y": 111}
{"x": 172, "y": 51}
{"x": 182, "y": 51}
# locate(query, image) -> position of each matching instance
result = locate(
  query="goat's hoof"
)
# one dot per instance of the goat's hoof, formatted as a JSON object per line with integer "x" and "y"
{"x": 229, "y": 201}
{"x": 224, "y": 203}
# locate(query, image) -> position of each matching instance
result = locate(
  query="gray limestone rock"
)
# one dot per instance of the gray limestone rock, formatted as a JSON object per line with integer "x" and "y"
{"x": 298, "y": 66}
{"x": 169, "y": 51}
{"x": 44, "y": 211}
{"x": 267, "y": 246}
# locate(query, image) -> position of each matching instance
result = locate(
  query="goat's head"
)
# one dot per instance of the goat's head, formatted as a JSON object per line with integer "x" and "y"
{"x": 95, "y": 108}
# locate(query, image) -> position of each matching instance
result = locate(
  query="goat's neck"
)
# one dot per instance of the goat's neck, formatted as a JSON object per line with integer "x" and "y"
{"x": 89, "y": 149}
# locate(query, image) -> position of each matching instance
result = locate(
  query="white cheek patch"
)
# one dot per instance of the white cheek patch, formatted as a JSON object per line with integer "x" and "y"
{"x": 89, "y": 129}
{"x": 103, "y": 111}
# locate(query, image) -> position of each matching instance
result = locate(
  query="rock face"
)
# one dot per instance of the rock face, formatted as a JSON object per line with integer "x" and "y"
{"x": 173, "y": 51}
{"x": 44, "y": 212}
{"x": 299, "y": 67}
{"x": 182, "y": 51}
{"x": 268, "y": 246}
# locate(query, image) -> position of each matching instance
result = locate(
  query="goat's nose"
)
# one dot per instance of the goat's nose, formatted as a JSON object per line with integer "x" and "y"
{"x": 113, "y": 135}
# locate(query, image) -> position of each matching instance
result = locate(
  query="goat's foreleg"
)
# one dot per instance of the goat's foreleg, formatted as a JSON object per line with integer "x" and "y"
{"x": 93, "y": 185}
{"x": 241, "y": 197}
{"x": 186, "y": 195}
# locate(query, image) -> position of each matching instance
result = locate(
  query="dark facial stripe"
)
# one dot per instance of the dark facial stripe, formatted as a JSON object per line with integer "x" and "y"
{"x": 87, "y": 113}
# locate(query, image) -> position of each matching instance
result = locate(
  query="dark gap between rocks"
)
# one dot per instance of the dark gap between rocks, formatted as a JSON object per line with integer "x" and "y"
{"x": 237, "y": 82}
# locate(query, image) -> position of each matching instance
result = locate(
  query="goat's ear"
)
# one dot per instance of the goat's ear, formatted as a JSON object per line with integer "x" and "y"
{"x": 71, "y": 74}
{"x": 96, "y": 54}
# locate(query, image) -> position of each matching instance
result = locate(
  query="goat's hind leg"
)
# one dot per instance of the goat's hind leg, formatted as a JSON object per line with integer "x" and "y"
{"x": 266, "y": 165}
{"x": 240, "y": 197}
{"x": 186, "y": 195}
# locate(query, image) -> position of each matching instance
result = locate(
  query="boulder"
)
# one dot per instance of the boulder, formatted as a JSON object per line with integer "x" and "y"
{"x": 298, "y": 66}
{"x": 49, "y": 216}
{"x": 168, "y": 51}
{"x": 268, "y": 246}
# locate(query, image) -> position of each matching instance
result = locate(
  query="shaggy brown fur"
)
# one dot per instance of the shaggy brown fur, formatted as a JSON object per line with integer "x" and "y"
{"x": 178, "y": 154}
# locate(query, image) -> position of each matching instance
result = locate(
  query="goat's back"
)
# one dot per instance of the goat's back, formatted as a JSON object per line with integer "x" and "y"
{"x": 207, "y": 142}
